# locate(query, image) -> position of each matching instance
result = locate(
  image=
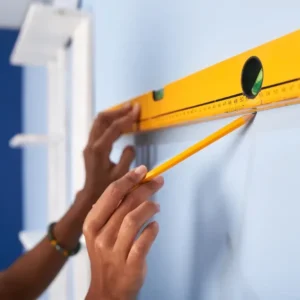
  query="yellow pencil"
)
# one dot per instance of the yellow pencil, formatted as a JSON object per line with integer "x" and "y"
{"x": 197, "y": 147}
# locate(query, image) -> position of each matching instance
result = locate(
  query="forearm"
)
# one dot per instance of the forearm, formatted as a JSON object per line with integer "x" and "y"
{"x": 32, "y": 273}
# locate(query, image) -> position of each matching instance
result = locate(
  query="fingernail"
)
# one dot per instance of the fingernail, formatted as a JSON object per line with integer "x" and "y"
{"x": 141, "y": 171}
{"x": 159, "y": 180}
{"x": 130, "y": 148}
{"x": 136, "y": 108}
{"x": 127, "y": 105}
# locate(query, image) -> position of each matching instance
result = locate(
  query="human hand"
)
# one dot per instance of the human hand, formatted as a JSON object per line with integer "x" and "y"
{"x": 118, "y": 259}
{"x": 100, "y": 170}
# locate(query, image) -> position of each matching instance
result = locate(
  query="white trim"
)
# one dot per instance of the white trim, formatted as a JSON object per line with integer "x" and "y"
{"x": 81, "y": 118}
{"x": 57, "y": 196}
{"x": 57, "y": 203}
{"x": 82, "y": 103}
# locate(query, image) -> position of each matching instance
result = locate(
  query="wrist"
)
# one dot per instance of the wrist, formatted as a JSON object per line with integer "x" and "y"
{"x": 99, "y": 296}
{"x": 58, "y": 246}
{"x": 69, "y": 228}
{"x": 93, "y": 190}
{"x": 95, "y": 293}
{"x": 88, "y": 196}
{"x": 84, "y": 201}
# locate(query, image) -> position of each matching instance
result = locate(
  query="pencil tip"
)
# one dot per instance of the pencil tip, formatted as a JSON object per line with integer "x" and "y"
{"x": 250, "y": 116}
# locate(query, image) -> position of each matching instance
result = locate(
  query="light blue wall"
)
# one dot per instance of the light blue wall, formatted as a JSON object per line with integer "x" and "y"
{"x": 35, "y": 157}
{"x": 228, "y": 218}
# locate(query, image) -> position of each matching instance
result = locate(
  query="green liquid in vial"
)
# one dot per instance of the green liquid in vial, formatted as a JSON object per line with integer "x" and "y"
{"x": 258, "y": 83}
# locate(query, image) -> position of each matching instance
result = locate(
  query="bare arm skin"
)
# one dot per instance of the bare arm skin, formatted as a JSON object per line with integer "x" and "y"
{"x": 30, "y": 275}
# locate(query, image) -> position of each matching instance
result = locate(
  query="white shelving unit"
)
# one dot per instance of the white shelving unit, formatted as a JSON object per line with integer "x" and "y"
{"x": 42, "y": 41}
{"x": 45, "y": 31}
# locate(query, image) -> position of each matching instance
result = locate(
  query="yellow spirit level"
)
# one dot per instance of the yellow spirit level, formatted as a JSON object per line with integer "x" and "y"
{"x": 265, "y": 77}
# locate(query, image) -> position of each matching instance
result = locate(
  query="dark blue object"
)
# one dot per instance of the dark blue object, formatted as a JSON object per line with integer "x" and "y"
{"x": 11, "y": 159}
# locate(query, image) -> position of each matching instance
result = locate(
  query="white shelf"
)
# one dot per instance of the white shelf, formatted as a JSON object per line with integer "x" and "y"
{"x": 31, "y": 238}
{"x": 45, "y": 31}
{"x": 22, "y": 140}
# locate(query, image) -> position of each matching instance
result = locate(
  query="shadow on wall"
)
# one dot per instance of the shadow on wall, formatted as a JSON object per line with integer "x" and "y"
{"x": 211, "y": 226}
{"x": 146, "y": 153}
{"x": 212, "y": 249}
{"x": 211, "y": 269}
{"x": 211, "y": 221}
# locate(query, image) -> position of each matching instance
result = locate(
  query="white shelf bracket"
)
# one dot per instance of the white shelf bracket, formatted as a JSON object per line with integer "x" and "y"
{"x": 45, "y": 31}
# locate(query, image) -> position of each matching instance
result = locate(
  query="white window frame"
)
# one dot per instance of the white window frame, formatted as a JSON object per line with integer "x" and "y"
{"x": 75, "y": 25}
{"x": 81, "y": 121}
